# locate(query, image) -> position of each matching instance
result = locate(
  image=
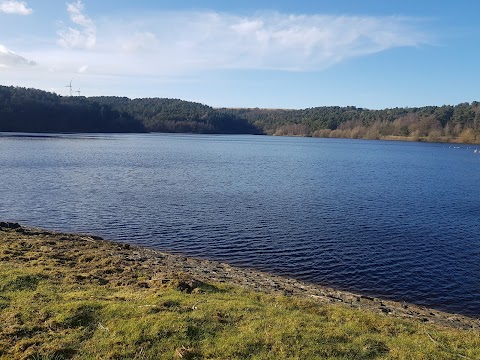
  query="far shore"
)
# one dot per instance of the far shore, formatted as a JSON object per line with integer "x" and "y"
{"x": 439, "y": 140}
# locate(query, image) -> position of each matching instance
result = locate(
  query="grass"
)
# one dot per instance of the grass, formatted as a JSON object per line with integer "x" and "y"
{"x": 62, "y": 298}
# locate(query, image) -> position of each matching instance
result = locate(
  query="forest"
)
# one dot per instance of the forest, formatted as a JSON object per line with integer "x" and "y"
{"x": 460, "y": 123}
{"x": 32, "y": 110}
{"x": 174, "y": 115}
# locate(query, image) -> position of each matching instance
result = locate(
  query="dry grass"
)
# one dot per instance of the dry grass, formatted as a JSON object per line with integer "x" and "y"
{"x": 62, "y": 297}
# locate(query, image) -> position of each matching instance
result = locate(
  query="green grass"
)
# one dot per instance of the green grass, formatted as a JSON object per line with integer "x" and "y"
{"x": 54, "y": 306}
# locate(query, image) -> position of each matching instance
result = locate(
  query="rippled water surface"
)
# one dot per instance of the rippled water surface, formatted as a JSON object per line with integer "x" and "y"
{"x": 393, "y": 219}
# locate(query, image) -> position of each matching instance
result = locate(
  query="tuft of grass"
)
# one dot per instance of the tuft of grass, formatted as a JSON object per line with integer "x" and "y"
{"x": 53, "y": 306}
{"x": 83, "y": 315}
{"x": 23, "y": 282}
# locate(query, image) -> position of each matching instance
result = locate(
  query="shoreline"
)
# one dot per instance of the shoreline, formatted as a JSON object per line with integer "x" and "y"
{"x": 164, "y": 265}
{"x": 394, "y": 138}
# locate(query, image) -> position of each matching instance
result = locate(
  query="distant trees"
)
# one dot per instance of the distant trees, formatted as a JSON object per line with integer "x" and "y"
{"x": 430, "y": 123}
{"x": 31, "y": 110}
{"x": 174, "y": 115}
{"x": 34, "y": 110}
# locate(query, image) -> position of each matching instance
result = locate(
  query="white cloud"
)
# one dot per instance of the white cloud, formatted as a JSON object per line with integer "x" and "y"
{"x": 82, "y": 37}
{"x": 9, "y": 59}
{"x": 138, "y": 41}
{"x": 184, "y": 43}
{"x": 209, "y": 40}
{"x": 295, "y": 42}
{"x": 15, "y": 7}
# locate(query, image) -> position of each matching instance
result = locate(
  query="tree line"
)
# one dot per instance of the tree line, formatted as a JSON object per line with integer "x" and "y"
{"x": 31, "y": 110}
{"x": 459, "y": 123}
{"x": 174, "y": 115}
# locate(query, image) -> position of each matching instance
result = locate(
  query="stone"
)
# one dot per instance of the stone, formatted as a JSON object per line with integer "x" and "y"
{"x": 9, "y": 225}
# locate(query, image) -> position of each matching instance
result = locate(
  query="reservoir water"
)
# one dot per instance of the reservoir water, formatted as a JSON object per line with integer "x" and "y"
{"x": 392, "y": 219}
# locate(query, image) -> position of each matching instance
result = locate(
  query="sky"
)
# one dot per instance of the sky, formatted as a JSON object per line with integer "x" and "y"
{"x": 270, "y": 54}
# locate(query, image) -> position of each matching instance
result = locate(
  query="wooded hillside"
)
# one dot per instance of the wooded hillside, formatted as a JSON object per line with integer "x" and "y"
{"x": 174, "y": 115}
{"x": 31, "y": 110}
{"x": 430, "y": 123}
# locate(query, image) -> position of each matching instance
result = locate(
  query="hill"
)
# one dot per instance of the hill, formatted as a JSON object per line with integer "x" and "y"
{"x": 174, "y": 115}
{"x": 430, "y": 123}
{"x": 31, "y": 110}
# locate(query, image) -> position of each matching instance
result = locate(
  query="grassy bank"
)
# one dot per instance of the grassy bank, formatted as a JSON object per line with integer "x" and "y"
{"x": 69, "y": 296}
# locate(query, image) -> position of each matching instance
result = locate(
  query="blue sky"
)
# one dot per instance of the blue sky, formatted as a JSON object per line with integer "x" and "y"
{"x": 272, "y": 54}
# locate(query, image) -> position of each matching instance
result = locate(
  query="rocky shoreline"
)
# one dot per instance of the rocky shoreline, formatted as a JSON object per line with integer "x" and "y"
{"x": 163, "y": 266}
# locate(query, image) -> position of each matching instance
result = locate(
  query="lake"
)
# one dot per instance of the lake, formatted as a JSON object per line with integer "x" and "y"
{"x": 392, "y": 219}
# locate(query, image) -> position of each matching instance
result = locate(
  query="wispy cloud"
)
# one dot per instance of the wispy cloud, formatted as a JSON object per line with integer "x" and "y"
{"x": 190, "y": 41}
{"x": 10, "y": 59}
{"x": 15, "y": 7}
{"x": 182, "y": 43}
{"x": 82, "y": 36}
{"x": 281, "y": 41}
{"x": 138, "y": 41}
